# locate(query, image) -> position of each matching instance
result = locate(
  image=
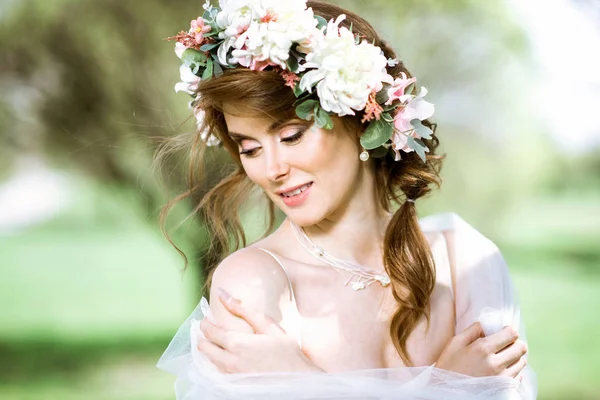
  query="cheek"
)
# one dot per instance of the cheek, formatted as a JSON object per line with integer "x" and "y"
{"x": 254, "y": 169}
{"x": 333, "y": 154}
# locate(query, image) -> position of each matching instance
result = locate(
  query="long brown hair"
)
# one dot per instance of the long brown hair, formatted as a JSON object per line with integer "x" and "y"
{"x": 407, "y": 255}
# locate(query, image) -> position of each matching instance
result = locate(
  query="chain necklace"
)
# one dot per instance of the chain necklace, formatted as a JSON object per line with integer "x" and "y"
{"x": 360, "y": 277}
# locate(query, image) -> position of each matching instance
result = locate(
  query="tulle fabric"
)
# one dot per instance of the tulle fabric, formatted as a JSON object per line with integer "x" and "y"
{"x": 483, "y": 292}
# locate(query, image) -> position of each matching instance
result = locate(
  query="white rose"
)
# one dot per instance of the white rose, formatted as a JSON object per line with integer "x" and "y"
{"x": 344, "y": 73}
{"x": 262, "y": 32}
{"x": 189, "y": 81}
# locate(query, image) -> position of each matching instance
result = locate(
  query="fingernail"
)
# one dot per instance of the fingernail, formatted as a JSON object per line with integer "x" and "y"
{"x": 224, "y": 295}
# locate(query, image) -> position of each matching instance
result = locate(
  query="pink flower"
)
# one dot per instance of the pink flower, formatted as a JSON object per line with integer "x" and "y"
{"x": 400, "y": 143}
{"x": 290, "y": 78}
{"x": 396, "y": 92}
{"x": 372, "y": 110}
{"x": 198, "y": 29}
{"x": 415, "y": 108}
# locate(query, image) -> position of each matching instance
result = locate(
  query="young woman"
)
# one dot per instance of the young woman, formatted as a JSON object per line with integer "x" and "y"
{"x": 351, "y": 296}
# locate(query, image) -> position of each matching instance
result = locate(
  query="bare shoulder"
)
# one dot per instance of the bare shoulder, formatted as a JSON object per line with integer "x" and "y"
{"x": 253, "y": 277}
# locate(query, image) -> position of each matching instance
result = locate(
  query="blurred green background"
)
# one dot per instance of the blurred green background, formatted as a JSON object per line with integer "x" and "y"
{"x": 90, "y": 292}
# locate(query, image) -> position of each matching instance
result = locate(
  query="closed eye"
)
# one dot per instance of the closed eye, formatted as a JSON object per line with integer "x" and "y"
{"x": 249, "y": 152}
{"x": 295, "y": 138}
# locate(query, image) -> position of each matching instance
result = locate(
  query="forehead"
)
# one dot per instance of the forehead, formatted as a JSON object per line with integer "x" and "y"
{"x": 248, "y": 124}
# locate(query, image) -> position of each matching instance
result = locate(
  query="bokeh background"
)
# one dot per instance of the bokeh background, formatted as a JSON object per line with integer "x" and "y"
{"x": 90, "y": 292}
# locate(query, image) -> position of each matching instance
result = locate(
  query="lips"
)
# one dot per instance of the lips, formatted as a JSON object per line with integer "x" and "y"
{"x": 297, "y": 191}
{"x": 294, "y": 197}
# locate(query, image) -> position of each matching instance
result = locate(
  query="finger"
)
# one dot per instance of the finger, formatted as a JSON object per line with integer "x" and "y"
{"x": 259, "y": 322}
{"x": 502, "y": 339}
{"x": 515, "y": 369}
{"x": 511, "y": 354}
{"x": 471, "y": 334}
{"x": 216, "y": 355}
{"x": 213, "y": 333}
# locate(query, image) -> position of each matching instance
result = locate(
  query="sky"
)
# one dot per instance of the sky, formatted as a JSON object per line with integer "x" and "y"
{"x": 566, "y": 41}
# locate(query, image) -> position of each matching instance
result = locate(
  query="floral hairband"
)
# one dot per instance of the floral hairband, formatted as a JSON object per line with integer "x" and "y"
{"x": 313, "y": 56}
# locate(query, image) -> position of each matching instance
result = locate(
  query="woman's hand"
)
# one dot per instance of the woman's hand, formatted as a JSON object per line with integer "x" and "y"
{"x": 471, "y": 353}
{"x": 269, "y": 349}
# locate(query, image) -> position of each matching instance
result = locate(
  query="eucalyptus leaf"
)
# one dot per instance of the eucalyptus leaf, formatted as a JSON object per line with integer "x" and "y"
{"x": 306, "y": 109}
{"x": 192, "y": 56}
{"x": 382, "y": 96}
{"x": 297, "y": 91}
{"x": 377, "y": 133}
{"x": 209, "y": 46}
{"x": 322, "y": 22}
{"x": 387, "y": 117}
{"x": 218, "y": 69}
{"x": 208, "y": 72}
{"x": 421, "y": 129}
{"x": 323, "y": 119}
{"x": 419, "y": 147}
{"x": 379, "y": 152}
{"x": 292, "y": 63}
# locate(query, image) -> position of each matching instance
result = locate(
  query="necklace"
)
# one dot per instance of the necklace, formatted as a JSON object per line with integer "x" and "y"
{"x": 360, "y": 277}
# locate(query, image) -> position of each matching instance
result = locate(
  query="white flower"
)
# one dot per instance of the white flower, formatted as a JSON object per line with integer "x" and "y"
{"x": 262, "y": 32}
{"x": 180, "y": 49}
{"x": 345, "y": 73}
{"x": 189, "y": 81}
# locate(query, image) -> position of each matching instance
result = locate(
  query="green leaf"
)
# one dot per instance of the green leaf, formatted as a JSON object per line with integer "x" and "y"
{"x": 322, "y": 22}
{"x": 421, "y": 129}
{"x": 382, "y": 96}
{"x": 323, "y": 119}
{"x": 209, "y": 46}
{"x": 218, "y": 69}
{"x": 409, "y": 89}
{"x": 192, "y": 56}
{"x": 387, "y": 117}
{"x": 297, "y": 91}
{"x": 306, "y": 109}
{"x": 292, "y": 63}
{"x": 194, "y": 60}
{"x": 377, "y": 133}
{"x": 419, "y": 147}
{"x": 208, "y": 72}
{"x": 379, "y": 152}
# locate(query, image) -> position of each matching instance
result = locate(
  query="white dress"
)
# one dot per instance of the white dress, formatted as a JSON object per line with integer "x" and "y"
{"x": 483, "y": 292}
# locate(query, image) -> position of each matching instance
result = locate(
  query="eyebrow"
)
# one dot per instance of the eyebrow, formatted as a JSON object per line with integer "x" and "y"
{"x": 238, "y": 137}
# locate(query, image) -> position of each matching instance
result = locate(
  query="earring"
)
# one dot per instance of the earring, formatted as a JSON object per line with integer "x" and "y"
{"x": 364, "y": 156}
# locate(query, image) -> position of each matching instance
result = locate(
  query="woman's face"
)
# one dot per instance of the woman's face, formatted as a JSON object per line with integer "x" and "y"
{"x": 309, "y": 173}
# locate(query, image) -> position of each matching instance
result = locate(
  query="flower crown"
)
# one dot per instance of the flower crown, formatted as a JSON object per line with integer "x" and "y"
{"x": 348, "y": 74}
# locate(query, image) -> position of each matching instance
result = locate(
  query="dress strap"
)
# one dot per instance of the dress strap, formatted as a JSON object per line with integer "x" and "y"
{"x": 296, "y": 315}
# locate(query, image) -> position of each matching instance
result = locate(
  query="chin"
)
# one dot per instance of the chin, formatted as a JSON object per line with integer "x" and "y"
{"x": 305, "y": 216}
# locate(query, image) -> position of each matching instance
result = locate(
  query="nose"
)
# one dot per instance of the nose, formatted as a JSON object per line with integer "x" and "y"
{"x": 277, "y": 167}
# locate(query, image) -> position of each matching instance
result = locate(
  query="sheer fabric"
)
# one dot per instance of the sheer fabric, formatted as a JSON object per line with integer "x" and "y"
{"x": 483, "y": 292}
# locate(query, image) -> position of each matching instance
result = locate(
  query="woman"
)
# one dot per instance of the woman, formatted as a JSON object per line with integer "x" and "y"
{"x": 352, "y": 296}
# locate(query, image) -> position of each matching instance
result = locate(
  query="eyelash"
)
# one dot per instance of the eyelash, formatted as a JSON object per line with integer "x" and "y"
{"x": 290, "y": 140}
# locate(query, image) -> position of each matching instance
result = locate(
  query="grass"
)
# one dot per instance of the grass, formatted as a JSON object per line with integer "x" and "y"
{"x": 92, "y": 298}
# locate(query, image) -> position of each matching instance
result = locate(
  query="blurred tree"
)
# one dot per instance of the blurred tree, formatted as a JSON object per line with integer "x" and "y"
{"x": 88, "y": 83}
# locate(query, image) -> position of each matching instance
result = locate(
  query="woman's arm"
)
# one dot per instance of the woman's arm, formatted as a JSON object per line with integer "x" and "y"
{"x": 488, "y": 316}
{"x": 246, "y": 335}
{"x": 255, "y": 279}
